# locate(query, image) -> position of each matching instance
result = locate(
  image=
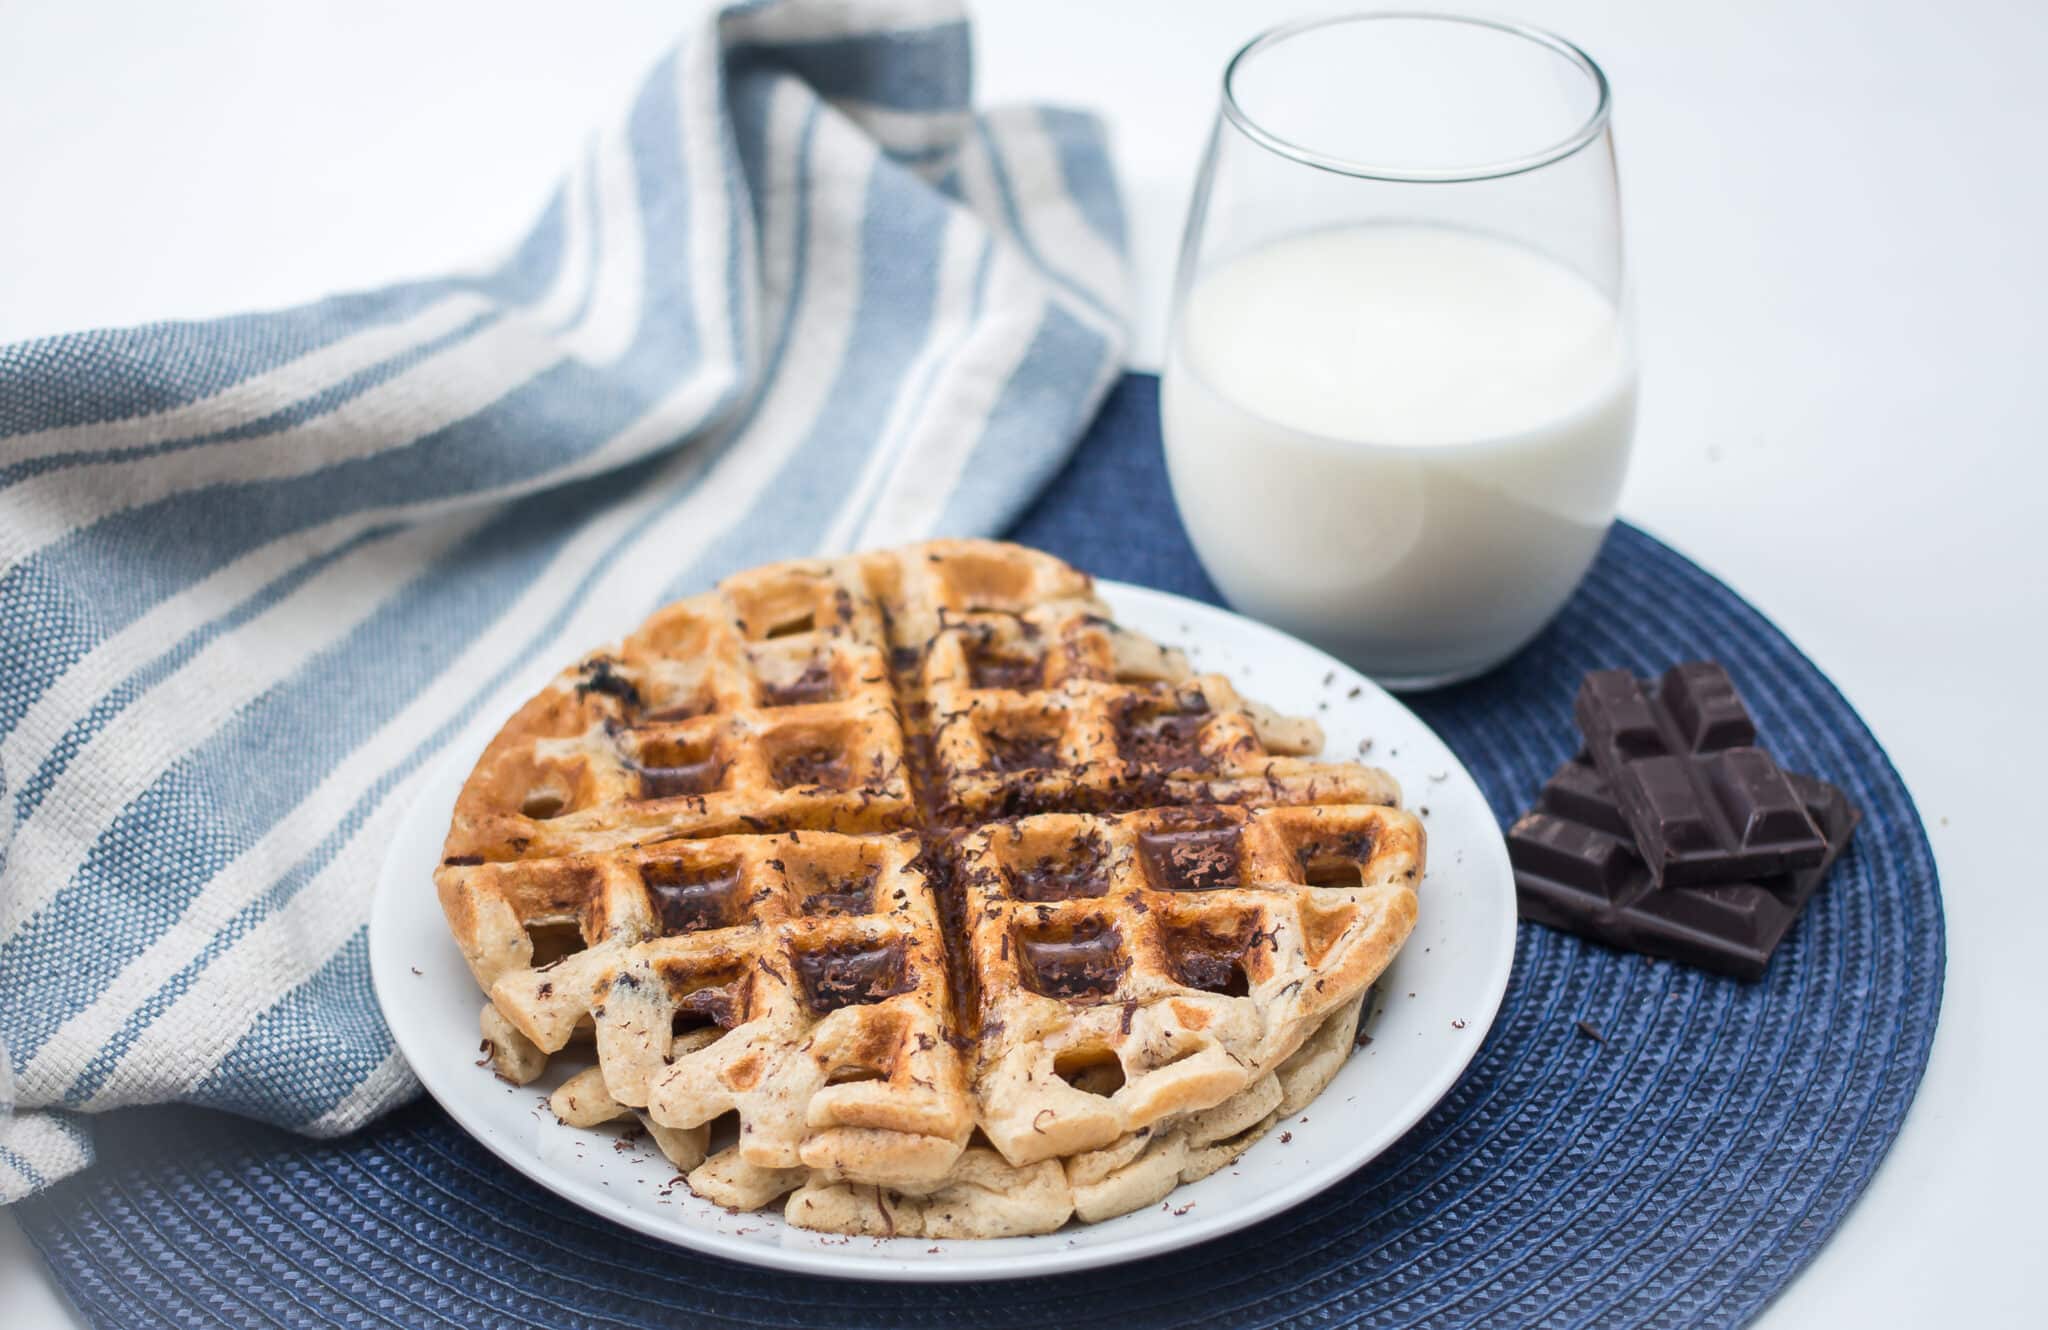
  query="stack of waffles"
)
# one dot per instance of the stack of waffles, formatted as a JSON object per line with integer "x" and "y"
{"x": 911, "y": 892}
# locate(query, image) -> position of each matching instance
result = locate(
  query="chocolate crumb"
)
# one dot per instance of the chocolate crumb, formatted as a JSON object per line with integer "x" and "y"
{"x": 601, "y": 676}
{"x": 1286, "y": 1138}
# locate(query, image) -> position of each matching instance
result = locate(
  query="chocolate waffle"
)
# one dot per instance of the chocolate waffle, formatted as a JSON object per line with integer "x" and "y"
{"x": 966, "y": 906}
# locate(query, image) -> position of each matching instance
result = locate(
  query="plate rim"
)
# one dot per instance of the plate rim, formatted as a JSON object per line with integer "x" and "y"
{"x": 960, "y": 1264}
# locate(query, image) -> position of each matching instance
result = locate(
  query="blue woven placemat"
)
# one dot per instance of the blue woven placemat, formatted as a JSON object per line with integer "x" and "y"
{"x": 1677, "y": 1169}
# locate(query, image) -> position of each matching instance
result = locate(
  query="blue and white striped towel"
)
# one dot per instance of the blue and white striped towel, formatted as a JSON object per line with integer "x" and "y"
{"x": 256, "y": 573}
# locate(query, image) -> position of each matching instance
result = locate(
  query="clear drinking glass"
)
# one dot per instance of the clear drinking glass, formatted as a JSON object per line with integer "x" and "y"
{"x": 1400, "y": 387}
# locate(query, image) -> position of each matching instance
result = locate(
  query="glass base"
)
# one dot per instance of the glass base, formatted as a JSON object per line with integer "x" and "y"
{"x": 1419, "y": 683}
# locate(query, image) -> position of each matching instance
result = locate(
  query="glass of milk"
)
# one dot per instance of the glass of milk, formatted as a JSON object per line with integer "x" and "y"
{"x": 1400, "y": 386}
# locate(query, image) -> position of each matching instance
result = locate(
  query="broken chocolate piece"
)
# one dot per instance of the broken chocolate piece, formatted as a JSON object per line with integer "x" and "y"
{"x": 1577, "y": 870}
{"x": 1702, "y": 802}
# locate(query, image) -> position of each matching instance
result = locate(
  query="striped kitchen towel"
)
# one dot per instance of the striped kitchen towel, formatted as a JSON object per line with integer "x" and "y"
{"x": 256, "y": 573}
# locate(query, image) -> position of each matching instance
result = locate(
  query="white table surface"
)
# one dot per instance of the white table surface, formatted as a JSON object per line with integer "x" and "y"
{"x": 1835, "y": 214}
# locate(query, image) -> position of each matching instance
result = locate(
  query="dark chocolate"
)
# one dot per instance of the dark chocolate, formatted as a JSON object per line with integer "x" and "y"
{"x": 1702, "y": 802}
{"x": 1166, "y": 736}
{"x": 990, "y": 668}
{"x": 689, "y": 779}
{"x": 689, "y": 900}
{"x": 814, "y": 764}
{"x": 852, "y": 975}
{"x": 1080, "y": 869}
{"x": 702, "y": 998}
{"x": 815, "y": 684}
{"x": 600, "y": 675}
{"x": 1208, "y": 958}
{"x": 1087, "y": 962}
{"x": 705, "y": 1006}
{"x": 1337, "y": 861}
{"x": 1195, "y": 859}
{"x": 843, "y": 896}
{"x": 672, "y": 767}
{"x": 1022, "y": 750}
{"x": 1576, "y": 869}
{"x": 689, "y": 706}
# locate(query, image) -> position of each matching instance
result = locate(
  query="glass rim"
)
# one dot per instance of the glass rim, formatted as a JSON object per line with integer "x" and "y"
{"x": 1249, "y": 126}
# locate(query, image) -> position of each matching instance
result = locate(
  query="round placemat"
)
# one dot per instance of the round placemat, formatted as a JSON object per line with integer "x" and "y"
{"x": 1636, "y": 1143}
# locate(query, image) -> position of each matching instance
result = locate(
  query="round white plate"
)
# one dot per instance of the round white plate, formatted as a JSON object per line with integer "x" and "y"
{"x": 1431, "y": 1010}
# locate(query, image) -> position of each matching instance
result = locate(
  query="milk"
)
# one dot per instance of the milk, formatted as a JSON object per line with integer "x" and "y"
{"x": 1403, "y": 443}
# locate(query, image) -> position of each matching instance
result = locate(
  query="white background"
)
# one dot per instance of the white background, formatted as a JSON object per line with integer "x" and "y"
{"x": 1835, "y": 213}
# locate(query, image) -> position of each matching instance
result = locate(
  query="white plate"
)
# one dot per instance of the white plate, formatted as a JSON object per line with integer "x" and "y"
{"x": 1433, "y": 1007}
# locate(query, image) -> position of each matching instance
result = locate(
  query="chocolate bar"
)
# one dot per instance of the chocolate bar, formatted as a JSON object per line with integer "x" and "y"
{"x": 1577, "y": 869}
{"x": 1702, "y": 802}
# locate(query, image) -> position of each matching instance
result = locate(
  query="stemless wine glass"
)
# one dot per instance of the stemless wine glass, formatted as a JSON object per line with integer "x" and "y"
{"x": 1400, "y": 388}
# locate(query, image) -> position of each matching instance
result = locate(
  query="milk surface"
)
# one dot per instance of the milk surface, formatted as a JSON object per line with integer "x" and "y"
{"x": 1403, "y": 443}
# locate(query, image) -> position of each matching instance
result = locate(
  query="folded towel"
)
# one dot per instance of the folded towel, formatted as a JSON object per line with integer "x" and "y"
{"x": 256, "y": 573}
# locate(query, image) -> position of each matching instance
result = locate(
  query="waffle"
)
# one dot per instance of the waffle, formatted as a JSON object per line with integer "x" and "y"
{"x": 974, "y": 911}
